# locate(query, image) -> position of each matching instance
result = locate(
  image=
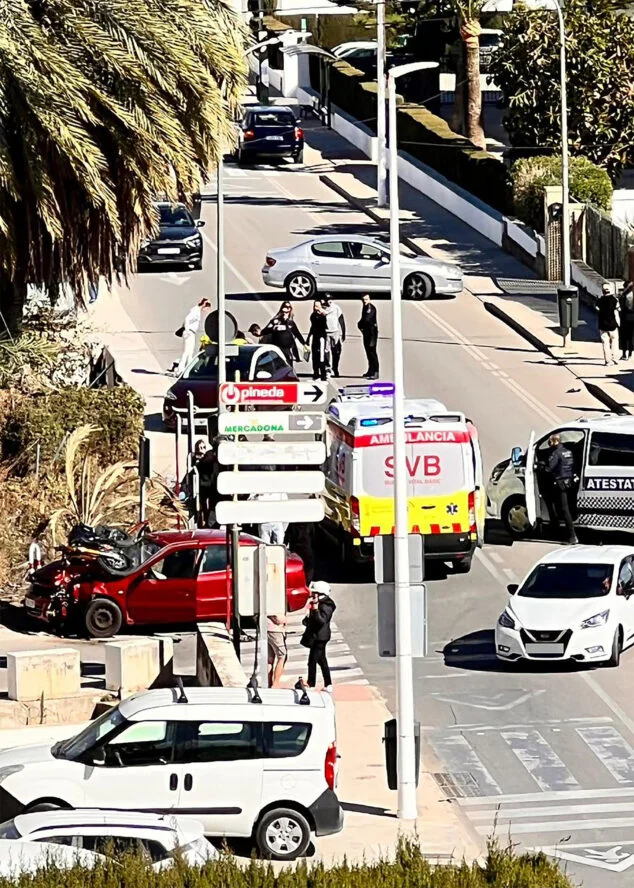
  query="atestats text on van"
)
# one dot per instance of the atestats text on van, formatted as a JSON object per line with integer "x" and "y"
{"x": 444, "y": 472}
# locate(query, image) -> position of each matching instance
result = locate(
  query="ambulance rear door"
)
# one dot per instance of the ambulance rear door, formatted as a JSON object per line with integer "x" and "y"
{"x": 478, "y": 471}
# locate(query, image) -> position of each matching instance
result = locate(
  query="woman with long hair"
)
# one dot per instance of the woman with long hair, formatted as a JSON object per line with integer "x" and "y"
{"x": 283, "y": 332}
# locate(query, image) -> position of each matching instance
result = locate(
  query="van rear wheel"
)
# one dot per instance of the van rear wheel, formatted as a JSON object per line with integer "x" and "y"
{"x": 282, "y": 834}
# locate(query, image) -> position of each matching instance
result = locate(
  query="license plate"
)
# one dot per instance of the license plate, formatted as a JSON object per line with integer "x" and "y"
{"x": 275, "y": 138}
{"x": 552, "y": 649}
{"x": 29, "y": 603}
{"x": 171, "y": 251}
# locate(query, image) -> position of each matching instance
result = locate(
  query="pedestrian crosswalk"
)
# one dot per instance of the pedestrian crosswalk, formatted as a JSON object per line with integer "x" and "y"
{"x": 542, "y": 783}
{"x": 344, "y": 667}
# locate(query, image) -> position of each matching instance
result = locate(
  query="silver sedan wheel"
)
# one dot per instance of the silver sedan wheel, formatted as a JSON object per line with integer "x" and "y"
{"x": 283, "y": 836}
{"x": 418, "y": 286}
{"x": 300, "y": 286}
{"x": 517, "y": 519}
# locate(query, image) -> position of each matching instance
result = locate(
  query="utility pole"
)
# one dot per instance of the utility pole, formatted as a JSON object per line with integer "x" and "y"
{"x": 565, "y": 183}
{"x": 381, "y": 147}
{"x": 220, "y": 271}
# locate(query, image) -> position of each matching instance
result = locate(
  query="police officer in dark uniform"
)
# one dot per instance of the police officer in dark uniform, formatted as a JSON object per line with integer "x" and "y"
{"x": 560, "y": 472}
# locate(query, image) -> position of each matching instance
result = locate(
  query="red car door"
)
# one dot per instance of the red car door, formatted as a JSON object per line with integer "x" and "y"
{"x": 166, "y": 590}
{"x": 211, "y": 589}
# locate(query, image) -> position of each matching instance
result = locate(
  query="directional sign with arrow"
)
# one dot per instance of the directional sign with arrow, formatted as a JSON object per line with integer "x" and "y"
{"x": 283, "y": 393}
{"x": 276, "y": 422}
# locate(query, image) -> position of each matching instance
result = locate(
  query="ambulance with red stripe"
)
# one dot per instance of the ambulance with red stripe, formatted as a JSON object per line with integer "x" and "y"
{"x": 447, "y": 501}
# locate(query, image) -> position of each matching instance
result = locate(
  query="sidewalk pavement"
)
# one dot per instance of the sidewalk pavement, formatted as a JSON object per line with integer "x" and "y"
{"x": 130, "y": 352}
{"x": 506, "y": 287}
{"x": 371, "y": 827}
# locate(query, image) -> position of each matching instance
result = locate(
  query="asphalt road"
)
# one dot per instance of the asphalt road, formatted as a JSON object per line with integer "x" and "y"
{"x": 546, "y": 750}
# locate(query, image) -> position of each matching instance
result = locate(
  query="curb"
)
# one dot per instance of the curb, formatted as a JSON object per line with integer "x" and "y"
{"x": 594, "y": 390}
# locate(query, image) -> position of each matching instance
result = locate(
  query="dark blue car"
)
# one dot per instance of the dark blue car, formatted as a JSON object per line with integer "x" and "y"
{"x": 272, "y": 131}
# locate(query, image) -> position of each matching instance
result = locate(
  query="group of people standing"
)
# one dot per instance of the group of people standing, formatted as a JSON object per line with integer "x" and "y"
{"x": 616, "y": 323}
{"x": 325, "y": 338}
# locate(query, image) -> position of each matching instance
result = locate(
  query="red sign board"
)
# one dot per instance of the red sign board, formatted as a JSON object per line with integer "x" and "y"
{"x": 235, "y": 393}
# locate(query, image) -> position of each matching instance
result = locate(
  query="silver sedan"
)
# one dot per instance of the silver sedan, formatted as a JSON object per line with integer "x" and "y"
{"x": 355, "y": 264}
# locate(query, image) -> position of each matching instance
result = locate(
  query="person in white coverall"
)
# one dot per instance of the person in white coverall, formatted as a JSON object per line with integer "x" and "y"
{"x": 191, "y": 328}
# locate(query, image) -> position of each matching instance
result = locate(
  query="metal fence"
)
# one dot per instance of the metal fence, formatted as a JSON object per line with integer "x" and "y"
{"x": 607, "y": 244}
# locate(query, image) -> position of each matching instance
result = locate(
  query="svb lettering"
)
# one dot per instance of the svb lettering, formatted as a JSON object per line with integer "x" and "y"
{"x": 429, "y": 465}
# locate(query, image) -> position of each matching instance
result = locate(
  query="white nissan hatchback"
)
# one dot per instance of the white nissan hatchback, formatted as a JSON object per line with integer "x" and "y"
{"x": 245, "y": 765}
{"x": 577, "y": 603}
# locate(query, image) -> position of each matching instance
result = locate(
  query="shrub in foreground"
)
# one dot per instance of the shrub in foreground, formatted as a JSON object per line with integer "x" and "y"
{"x": 48, "y": 418}
{"x": 502, "y": 869}
{"x": 530, "y": 175}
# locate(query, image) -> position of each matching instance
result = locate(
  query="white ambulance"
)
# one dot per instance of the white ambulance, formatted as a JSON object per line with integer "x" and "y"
{"x": 447, "y": 500}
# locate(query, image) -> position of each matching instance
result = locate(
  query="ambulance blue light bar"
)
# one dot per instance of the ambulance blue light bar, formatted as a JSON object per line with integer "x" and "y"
{"x": 371, "y": 390}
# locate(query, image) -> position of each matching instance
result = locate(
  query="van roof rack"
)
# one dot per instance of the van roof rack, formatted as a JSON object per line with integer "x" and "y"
{"x": 182, "y": 696}
{"x": 304, "y": 700}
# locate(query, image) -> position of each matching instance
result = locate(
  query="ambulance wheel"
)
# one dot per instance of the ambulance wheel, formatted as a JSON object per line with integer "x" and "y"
{"x": 515, "y": 517}
{"x": 462, "y": 565}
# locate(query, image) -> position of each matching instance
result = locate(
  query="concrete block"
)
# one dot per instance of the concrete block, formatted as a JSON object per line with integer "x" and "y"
{"x": 50, "y": 673}
{"x": 216, "y": 662}
{"x": 132, "y": 665}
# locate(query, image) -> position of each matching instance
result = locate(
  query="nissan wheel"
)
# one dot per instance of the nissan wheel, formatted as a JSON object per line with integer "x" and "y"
{"x": 102, "y": 618}
{"x": 300, "y": 285}
{"x": 282, "y": 834}
{"x": 418, "y": 286}
{"x": 515, "y": 517}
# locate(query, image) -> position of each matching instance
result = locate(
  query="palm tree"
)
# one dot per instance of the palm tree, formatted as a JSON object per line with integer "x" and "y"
{"x": 468, "y": 70}
{"x": 103, "y": 105}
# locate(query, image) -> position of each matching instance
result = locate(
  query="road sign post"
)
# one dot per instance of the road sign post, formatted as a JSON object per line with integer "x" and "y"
{"x": 263, "y": 637}
{"x": 386, "y": 613}
{"x": 234, "y": 394}
{"x": 270, "y": 423}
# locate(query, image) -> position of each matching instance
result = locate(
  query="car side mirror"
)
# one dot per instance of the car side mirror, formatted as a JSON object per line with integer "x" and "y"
{"x": 200, "y": 223}
{"x": 384, "y": 260}
{"x": 516, "y": 456}
{"x": 262, "y": 374}
{"x": 98, "y": 757}
{"x": 512, "y": 588}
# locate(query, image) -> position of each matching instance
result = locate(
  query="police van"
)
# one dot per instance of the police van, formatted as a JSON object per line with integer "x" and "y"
{"x": 444, "y": 467}
{"x": 603, "y": 454}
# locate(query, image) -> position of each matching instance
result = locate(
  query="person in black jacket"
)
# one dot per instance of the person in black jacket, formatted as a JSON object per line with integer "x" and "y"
{"x": 560, "y": 472}
{"x": 370, "y": 332}
{"x": 626, "y": 329}
{"x": 283, "y": 332}
{"x": 318, "y": 341}
{"x": 317, "y": 633}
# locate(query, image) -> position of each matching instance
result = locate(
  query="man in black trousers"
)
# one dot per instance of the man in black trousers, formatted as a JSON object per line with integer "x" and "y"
{"x": 370, "y": 332}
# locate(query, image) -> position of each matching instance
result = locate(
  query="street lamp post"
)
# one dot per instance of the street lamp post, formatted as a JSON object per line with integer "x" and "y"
{"x": 565, "y": 185}
{"x": 406, "y": 747}
{"x": 381, "y": 160}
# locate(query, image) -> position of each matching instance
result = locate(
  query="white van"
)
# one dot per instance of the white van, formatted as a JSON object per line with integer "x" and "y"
{"x": 446, "y": 500}
{"x": 243, "y": 765}
{"x": 603, "y": 450}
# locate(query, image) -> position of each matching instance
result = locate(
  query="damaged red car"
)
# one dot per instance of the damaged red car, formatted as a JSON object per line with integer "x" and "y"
{"x": 179, "y": 577}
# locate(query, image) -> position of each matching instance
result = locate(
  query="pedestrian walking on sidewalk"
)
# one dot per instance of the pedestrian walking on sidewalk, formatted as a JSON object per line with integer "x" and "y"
{"x": 336, "y": 334}
{"x": 370, "y": 331}
{"x": 317, "y": 339}
{"x": 608, "y": 321}
{"x": 317, "y": 634}
{"x": 277, "y": 650}
{"x": 626, "y": 329}
{"x": 189, "y": 331}
{"x": 283, "y": 332}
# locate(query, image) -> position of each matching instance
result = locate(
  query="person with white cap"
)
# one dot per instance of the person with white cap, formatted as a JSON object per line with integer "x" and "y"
{"x": 317, "y": 634}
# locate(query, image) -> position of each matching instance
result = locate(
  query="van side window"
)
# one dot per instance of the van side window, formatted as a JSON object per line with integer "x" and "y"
{"x": 218, "y": 742}
{"x": 285, "y": 740}
{"x": 609, "y": 449}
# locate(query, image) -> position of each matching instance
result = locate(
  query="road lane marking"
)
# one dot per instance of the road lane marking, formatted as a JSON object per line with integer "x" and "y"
{"x": 457, "y": 754}
{"x": 553, "y": 811}
{"x": 520, "y": 798}
{"x": 477, "y": 356}
{"x": 612, "y": 750}
{"x": 540, "y": 760}
{"x": 239, "y": 277}
{"x": 612, "y": 705}
{"x": 476, "y": 726}
{"x": 561, "y": 826}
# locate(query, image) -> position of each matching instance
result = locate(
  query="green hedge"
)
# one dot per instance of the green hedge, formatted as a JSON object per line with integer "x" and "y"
{"x": 425, "y": 136}
{"x": 430, "y": 139}
{"x": 47, "y": 418}
{"x": 530, "y": 175}
{"x": 501, "y": 870}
